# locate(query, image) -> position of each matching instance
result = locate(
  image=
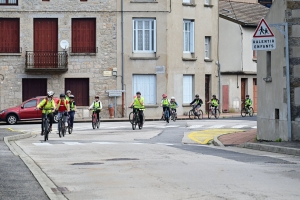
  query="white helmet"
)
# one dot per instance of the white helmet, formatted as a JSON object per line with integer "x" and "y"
{"x": 172, "y": 98}
{"x": 50, "y": 93}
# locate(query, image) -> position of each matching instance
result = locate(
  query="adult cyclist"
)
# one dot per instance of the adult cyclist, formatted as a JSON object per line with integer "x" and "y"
{"x": 197, "y": 102}
{"x": 214, "y": 103}
{"x": 68, "y": 94}
{"x": 96, "y": 107}
{"x": 47, "y": 106}
{"x": 63, "y": 108}
{"x": 72, "y": 110}
{"x": 248, "y": 102}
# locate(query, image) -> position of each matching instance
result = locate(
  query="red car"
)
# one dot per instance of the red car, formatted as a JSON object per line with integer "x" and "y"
{"x": 25, "y": 111}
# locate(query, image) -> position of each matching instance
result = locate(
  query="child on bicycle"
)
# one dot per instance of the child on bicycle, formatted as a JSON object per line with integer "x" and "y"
{"x": 63, "y": 108}
{"x": 96, "y": 106}
{"x": 165, "y": 103}
{"x": 248, "y": 102}
{"x": 173, "y": 105}
{"x": 47, "y": 106}
{"x": 72, "y": 110}
{"x": 214, "y": 103}
{"x": 196, "y": 103}
{"x": 138, "y": 105}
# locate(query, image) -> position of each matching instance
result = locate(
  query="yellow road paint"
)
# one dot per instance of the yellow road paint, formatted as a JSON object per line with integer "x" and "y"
{"x": 10, "y": 129}
{"x": 204, "y": 136}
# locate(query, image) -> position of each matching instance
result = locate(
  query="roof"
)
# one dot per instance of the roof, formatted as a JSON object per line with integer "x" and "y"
{"x": 245, "y": 14}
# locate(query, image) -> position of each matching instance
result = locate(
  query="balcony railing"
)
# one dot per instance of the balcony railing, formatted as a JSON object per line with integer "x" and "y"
{"x": 8, "y": 2}
{"x": 46, "y": 61}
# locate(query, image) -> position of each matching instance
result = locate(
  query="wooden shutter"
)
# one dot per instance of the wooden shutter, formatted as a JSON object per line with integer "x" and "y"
{"x": 9, "y": 36}
{"x": 32, "y": 87}
{"x": 225, "y": 98}
{"x": 80, "y": 89}
{"x": 84, "y": 35}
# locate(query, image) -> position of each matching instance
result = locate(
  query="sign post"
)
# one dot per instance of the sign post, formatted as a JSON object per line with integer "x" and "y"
{"x": 115, "y": 94}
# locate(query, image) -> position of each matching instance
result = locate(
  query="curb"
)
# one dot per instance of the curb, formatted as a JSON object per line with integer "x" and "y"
{"x": 45, "y": 182}
{"x": 271, "y": 148}
{"x": 217, "y": 142}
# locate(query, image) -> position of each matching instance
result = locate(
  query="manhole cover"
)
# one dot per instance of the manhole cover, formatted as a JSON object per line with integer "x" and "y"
{"x": 88, "y": 163}
{"x": 121, "y": 159}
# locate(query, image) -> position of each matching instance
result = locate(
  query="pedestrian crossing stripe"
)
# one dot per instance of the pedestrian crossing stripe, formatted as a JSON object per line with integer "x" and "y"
{"x": 217, "y": 126}
{"x": 73, "y": 143}
{"x": 195, "y": 126}
{"x": 42, "y": 144}
{"x": 104, "y": 142}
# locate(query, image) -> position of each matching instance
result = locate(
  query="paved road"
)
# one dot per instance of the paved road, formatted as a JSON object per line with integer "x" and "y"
{"x": 16, "y": 181}
{"x": 116, "y": 162}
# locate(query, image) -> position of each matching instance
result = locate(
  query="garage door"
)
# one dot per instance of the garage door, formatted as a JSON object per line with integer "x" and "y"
{"x": 32, "y": 87}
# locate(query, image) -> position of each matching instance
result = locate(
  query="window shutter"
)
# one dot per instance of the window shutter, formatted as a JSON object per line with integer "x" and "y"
{"x": 154, "y": 36}
{"x": 192, "y": 37}
{"x": 187, "y": 88}
{"x": 133, "y": 38}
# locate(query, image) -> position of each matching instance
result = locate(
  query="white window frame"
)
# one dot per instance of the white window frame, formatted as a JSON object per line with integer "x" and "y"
{"x": 207, "y": 47}
{"x": 187, "y": 88}
{"x": 152, "y": 35}
{"x": 146, "y": 84}
{"x": 186, "y": 1}
{"x": 191, "y": 36}
{"x": 206, "y": 2}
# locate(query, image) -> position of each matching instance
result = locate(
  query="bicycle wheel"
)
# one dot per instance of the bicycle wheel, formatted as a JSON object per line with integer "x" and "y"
{"x": 217, "y": 114}
{"x": 251, "y": 112}
{"x": 191, "y": 114}
{"x": 134, "y": 121}
{"x": 131, "y": 117}
{"x": 59, "y": 128}
{"x": 98, "y": 123}
{"x": 174, "y": 116}
{"x": 209, "y": 114}
{"x": 93, "y": 122}
{"x": 45, "y": 130}
{"x": 70, "y": 130}
{"x": 200, "y": 114}
{"x": 243, "y": 112}
{"x": 63, "y": 129}
{"x": 167, "y": 115}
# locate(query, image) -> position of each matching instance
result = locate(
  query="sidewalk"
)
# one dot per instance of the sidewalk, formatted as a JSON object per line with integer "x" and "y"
{"x": 247, "y": 139}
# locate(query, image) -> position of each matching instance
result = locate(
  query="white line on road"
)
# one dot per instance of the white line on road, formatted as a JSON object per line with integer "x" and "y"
{"x": 254, "y": 127}
{"x": 195, "y": 126}
{"x": 239, "y": 126}
{"x": 217, "y": 126}
{"x": 73, "y": 143}
{"x": 104, "y": 142}
{"x": 167, "y": 144}
{"x": 42, "y": 144}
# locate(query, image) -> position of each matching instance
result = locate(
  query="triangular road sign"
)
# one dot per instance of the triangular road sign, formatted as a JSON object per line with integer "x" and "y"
{"x": 263, "y": 30}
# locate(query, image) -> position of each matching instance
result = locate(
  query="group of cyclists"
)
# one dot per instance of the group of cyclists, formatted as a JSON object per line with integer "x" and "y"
{"x": 66, "y": 106}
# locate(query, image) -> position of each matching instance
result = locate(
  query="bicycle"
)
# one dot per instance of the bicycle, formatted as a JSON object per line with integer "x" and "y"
{"x": 46, "y": 125}
{"x": 246, "y": 111}
{"x": 61, "y": 125}
{"x": 95, "y": 122}
{"x": 193, "y": 114}
{"x": 166, "y": 114}
{"x": 134, "y": 118}
{"x": 213, "y": 111}
{"x": 173, "y": 114}
{"x": 70, "y": 130}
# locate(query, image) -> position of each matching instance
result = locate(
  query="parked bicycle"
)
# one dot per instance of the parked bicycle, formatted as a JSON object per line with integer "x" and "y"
{"x": 193, "y": 114}
{"x": 213, "y": 111}
{"x": 95, "y": 122}
{"x": 173, "y": 115}
{"x": 247, "y": 111}
{"x": 134, "y": 118}
{"x": 62, "y": 128}
{"x": 46, "y": 125}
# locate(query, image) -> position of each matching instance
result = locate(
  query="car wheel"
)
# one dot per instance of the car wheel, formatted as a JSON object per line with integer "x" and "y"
{"x": 55, "y": 118}
{"x": 11, "y": 119}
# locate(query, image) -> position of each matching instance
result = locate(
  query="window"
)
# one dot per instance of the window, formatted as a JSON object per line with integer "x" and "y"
{"x": 207, "y": 2}
{"x": 30, "y": 104}
{"x": 186, "y": 1}
{"x": 80, "y": 89}
{"x": 188, "y": 36}
{"x": 207, "y": 47}
{"x": 187, "y": 88}
{"x": 144, "y": 35}
{"x": 83, "y": 35}
{"x": 146, "y": 84}
{"x": 268, "y": 64}
{"x": 9, "y": 35}
{"x": 8, "y": 2}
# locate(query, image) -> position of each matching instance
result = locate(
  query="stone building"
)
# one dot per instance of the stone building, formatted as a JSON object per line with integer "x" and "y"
{"x": 58, "y": 45}
{"x": 238, "y": 22}
{"x": 169, "y": 47}
{"x": 272, "y": 116}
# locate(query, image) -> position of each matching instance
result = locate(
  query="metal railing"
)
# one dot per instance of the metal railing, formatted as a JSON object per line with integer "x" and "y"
{"x": 46, "y": 59}
{"x": 8, "y": 2}
{"x": 90, "y": 50}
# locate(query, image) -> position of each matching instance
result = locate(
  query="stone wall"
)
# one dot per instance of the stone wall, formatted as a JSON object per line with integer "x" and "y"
{"x": 79, "y": 66}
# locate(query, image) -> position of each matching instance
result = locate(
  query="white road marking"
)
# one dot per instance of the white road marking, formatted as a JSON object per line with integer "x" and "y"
{"x": 104, "y": 142}
{"x": 254, "y": 127}
{"x": 172, "y": 126}
{"x": 73, "y": 143}
{"x": 42, "y": 144}
{"x": 195, "y": 126}
{"x": 167, "y": 144}
{"x": 160, "y": 127}
{"x": 217, "y": 126}
{"x": 239, "y": 126}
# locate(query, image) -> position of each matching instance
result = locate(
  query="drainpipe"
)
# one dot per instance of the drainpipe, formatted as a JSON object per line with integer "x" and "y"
{"x": 122, "y": 41}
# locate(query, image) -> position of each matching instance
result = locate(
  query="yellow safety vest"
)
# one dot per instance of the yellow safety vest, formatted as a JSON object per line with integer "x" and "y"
{"x": 138, "y": 103}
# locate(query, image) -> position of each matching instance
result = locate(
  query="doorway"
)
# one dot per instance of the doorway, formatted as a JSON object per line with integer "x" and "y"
{"x": 207, "y": 90}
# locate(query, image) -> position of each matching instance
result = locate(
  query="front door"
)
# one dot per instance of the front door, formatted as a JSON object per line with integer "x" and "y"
{"x": 207, "y": 91}
{"x": 45, "y": 43}
{"x": 243, "y": 90}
